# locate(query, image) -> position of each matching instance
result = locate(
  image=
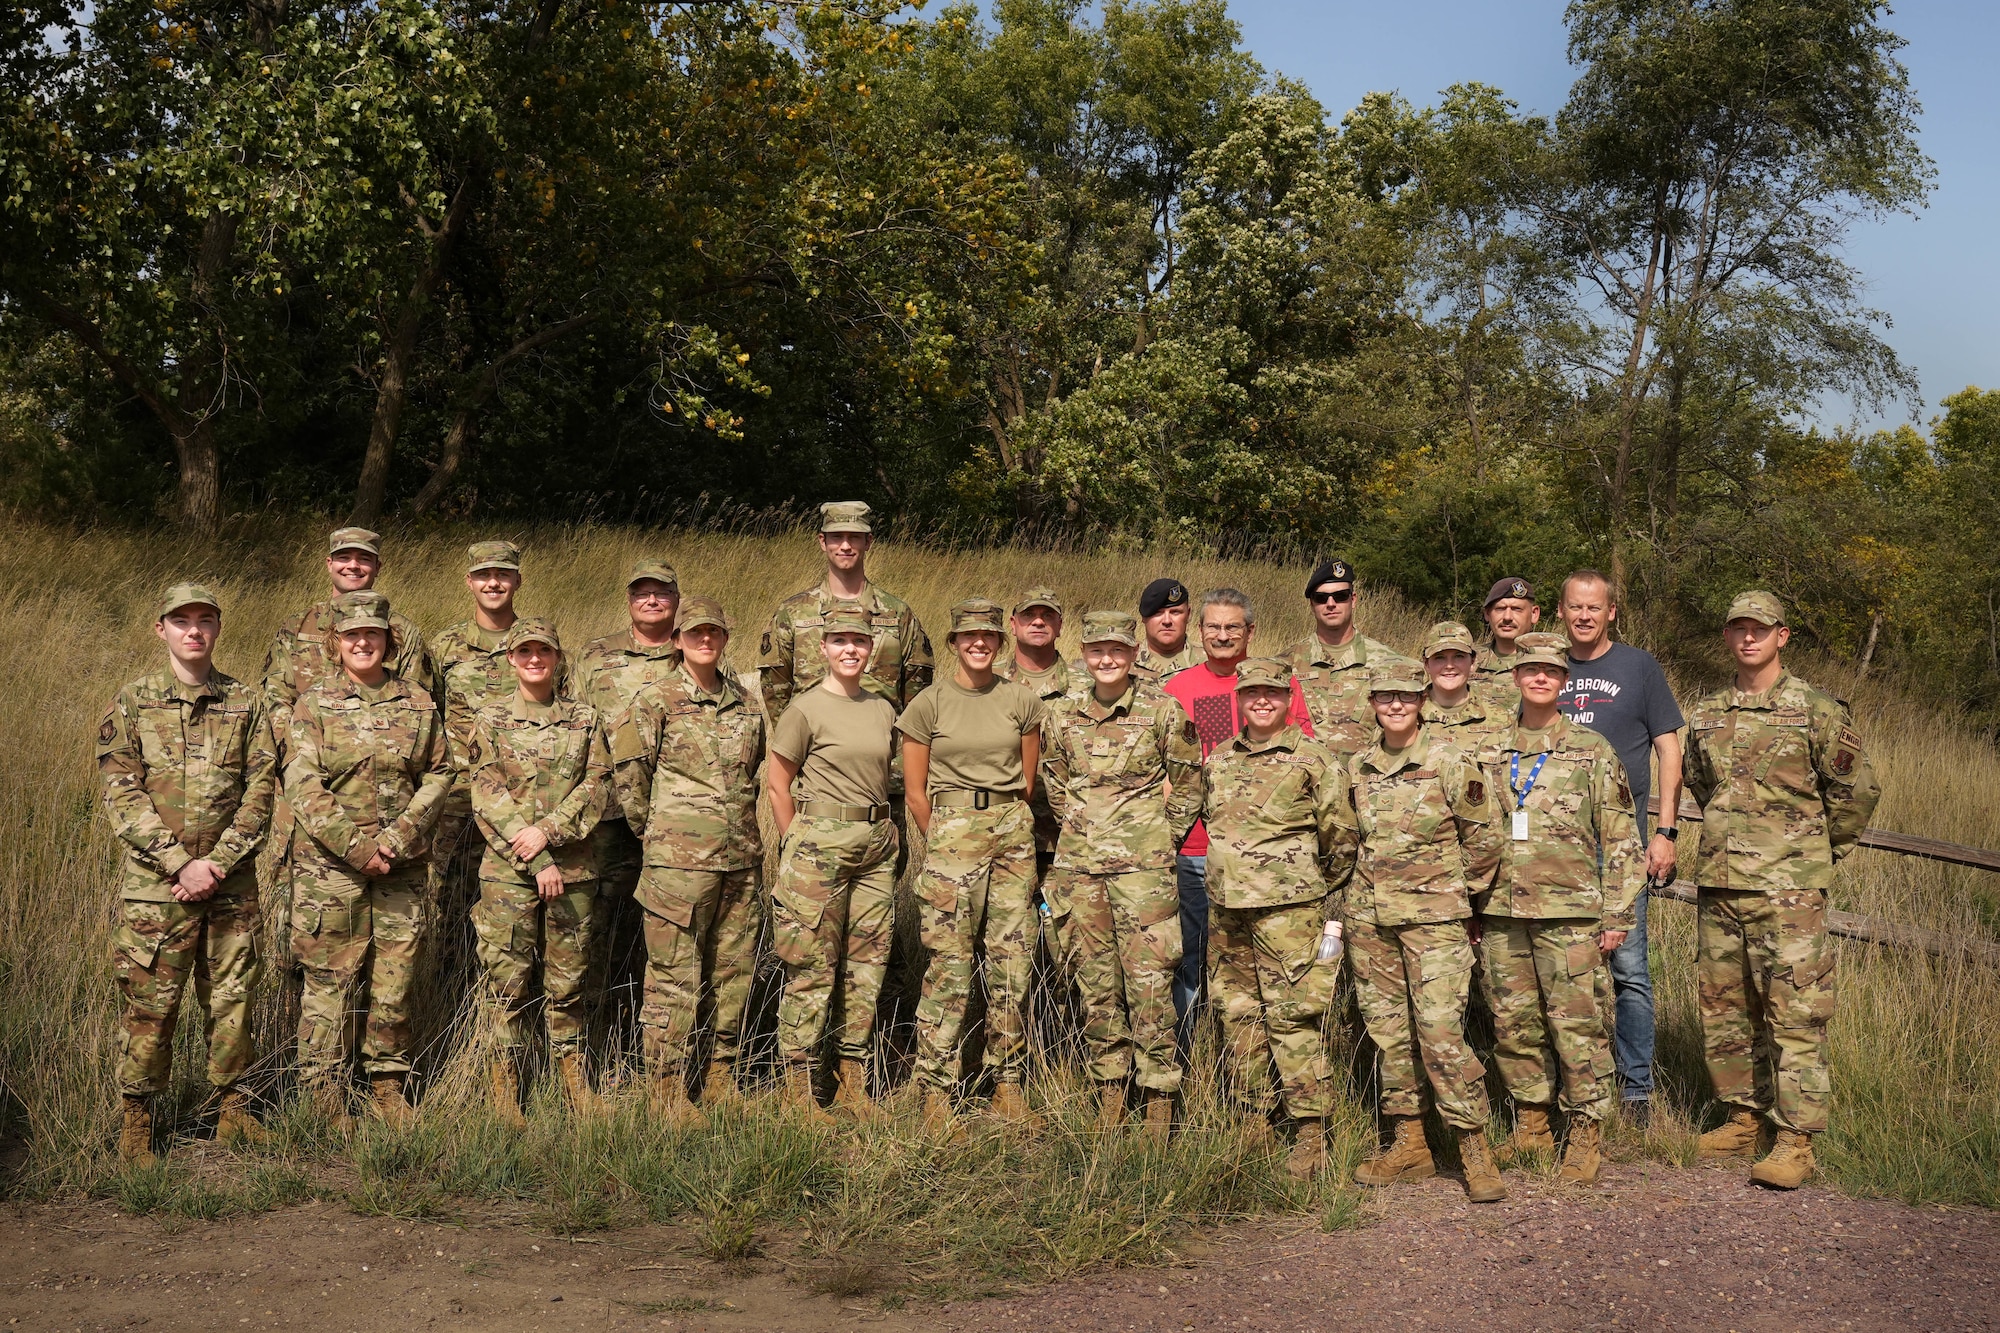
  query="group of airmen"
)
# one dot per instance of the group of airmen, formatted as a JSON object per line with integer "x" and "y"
{"x": 1436, "y": 822}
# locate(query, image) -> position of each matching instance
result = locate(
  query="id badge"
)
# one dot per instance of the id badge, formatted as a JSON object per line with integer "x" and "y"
{"x": 1520, "y": 826}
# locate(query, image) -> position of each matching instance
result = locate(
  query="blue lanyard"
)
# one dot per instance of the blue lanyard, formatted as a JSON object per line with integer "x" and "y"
{"x": 1514, "y": 777}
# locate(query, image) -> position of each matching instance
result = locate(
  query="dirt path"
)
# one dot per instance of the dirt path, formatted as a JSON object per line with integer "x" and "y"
{"x": 1655, "y": 1248}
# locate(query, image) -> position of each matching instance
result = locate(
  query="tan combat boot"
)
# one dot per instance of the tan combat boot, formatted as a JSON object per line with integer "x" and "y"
{"x": 329, "y": 1098}
{"x": 1531, "y": 1132}
{"x": 1110, "y": 1106}
{"x": 668, "y": 1097}
{"x": 939, "y": 1117}
{"x": 1010, "y": 1104}
{"x": 796, "y": 1091}
{"x": 387, "y": 1100}
{"x": 852, "y": 1094}
{"x": 234, "y": 1123}
{"x": 718, "y": 1084}
{"x": 1159, "y": 1115}
{"x": 135, "y": 1136}
{"x": 504, "y": 1082}
{"x": 1308, "y": 1155}
{"x": 1582, "y": 1162}
{"x": 1790, "y": 1164}
{"x": 1407, "y": 1157}
{"x": 1734, "y": 1137}
{"x": 1482, "y": 1178}
{"x": 576, "y": 1084}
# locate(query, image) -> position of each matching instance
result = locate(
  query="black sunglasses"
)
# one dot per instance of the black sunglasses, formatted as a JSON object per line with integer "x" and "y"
{"x": 1339, "y": 596}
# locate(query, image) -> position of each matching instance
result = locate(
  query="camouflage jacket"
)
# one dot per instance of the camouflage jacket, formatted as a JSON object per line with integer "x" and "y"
{"x": 299, "y": 659}
{"x": 363, "y": 773}
{"x": 788, "y": 657}
{"x": 1429, "y": 832}
{"x": 608, "y": 674}
{"x": 548, "y": 767}
{"x": 1581, "y": 858}
{"x": 1124, "y": 780}
{"x": 1493, "y": 674}
{"x": 1477, "y": 725}
{"x": 1149, "y": 666}
{"x": 686, "y": 766}
{"x": 1334, "y": 684}
{"x": 1280, "y": 824}
{"x": 1052, "y": 687}
{"x": 187, "y": 771}
{"x": 475, "y": 673}
{"x": 1784, "y": 785}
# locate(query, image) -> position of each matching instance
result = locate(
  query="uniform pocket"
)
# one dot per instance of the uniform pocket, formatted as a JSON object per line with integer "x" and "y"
{"x": 1582, "y": 957}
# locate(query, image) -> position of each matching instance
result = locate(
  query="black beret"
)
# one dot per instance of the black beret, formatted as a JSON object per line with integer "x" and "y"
{"x": 1331, "y": 570}
{"x": 1161, "y": 594}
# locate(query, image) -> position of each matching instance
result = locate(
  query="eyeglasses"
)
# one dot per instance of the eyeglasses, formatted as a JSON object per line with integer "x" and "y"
{"x": 1339, "y": 597}
{"x": 653, "y": 596}
{"x": 1398, "y": 697}
{"x": 1223, "y": 631}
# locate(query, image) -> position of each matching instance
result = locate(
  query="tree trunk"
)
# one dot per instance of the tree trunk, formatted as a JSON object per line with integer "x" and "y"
{"x": 200, "y": 473}
{"x": 393, "y": 391}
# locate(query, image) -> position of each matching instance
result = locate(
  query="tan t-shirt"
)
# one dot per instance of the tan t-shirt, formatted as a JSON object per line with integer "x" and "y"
{"x": 974, "y": 735}
{"x": 841, "y": 746}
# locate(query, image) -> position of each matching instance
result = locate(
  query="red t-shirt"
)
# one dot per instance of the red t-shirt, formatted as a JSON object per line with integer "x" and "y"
{"x": 1210, "y": 699}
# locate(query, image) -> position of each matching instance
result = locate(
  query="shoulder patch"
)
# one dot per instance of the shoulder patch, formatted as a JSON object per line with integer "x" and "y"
{"x": 107, "y": 730}
{"x": 1843, "y": 761}
{"x": 1188, "y": 733}
{"x": 1475, "y": 791}
{"x": 764, "y": 644}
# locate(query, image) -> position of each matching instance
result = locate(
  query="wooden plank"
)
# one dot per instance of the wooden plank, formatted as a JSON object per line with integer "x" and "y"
{"x": 1904, "y": 844}
{"x": 1871, "y": 930}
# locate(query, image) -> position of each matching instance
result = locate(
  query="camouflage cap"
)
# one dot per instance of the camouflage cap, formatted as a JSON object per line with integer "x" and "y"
{"x": 1039, "y": 597}
{"x": 1271, "y": 671}
{"x": 360, "y": 610}
{"x": 187, "y": 594}
{"x": 492, "y": 555}
{"x": 1541, "y": 649}
{"x": 1757, "y": 605}
{"x": 532, "y": 629}
{"x": 846, "y": 618}
{"x": 1111, "y": 627}
{"x": 1510, "y": 587}
{"x": 977, "y": 613}
{"x": 354, "y": 539}
{"x": 844, "y": 516}
{"x": 698, "y": 611}
{"x": 657, "y": 570}
{"x": 1447, "y": 635}
{"x": 1397, "y": 675}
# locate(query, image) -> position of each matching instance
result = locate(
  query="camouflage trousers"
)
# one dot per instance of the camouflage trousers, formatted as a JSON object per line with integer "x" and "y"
{"x": 156, "y": 946}
{"x": 358, "y": 941}
{"x": 515, "y": 928}
{"x": 1767, "y": 987}
{"x": 1540, "y": 979}
{"x": 833, "y": 918}
{"x": 1122, "y": 939}
{"x": 617, "y": 962}
{"x": 976, "y": 898}
{"x": 1412, "y": 983}
{"x": 701, "y": 942}
{"x": 1265, "y": 980}
{"x": 456, "y": 850}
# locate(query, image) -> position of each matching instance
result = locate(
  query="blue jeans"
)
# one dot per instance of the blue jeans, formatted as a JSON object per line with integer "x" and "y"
{"x": 1191, "y": 878}
{"x": 1632, "y": 991}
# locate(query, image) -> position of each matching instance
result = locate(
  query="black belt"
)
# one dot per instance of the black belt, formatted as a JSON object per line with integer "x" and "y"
{"x": 978, "y": 798}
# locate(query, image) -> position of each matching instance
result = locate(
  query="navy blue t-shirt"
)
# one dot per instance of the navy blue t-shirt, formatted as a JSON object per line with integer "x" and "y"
{"x": 1623, "y": 697}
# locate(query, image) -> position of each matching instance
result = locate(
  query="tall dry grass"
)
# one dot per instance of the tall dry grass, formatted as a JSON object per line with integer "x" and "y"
{"x": 1917, "y": 1067}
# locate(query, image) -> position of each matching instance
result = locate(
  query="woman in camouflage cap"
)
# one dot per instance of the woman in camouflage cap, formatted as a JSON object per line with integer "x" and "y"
{"x": 971, "y": 743}
{"x": 365, "y": 774}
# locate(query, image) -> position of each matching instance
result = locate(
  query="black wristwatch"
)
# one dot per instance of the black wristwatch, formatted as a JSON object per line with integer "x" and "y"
{"x": 1671, "y": 832}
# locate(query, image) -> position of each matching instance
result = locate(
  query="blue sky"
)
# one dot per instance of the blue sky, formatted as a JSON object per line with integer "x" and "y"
{"x": 1935, "y": 275}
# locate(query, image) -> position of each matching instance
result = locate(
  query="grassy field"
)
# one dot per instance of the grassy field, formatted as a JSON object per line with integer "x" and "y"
{"x": 1917, "y": 1068}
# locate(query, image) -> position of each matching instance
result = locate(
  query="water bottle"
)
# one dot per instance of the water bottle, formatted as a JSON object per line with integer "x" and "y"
{"x": 1329, "y": 943}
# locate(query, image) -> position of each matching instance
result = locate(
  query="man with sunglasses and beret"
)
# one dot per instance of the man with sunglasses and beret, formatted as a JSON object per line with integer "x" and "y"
{"x": 1332, "y": 664}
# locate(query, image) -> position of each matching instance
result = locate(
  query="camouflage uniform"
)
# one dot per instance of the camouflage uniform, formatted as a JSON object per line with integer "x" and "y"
{"x": 1281, "y": 844}
{"x": 1493, "y": 679}
{"x": 1108, "y": 769}
{"x": 1474, "y": 726}
{"x": 1577, "y": 873}
{"x": 1785, "y": 789}
{"x": 789, "y": 660}
{"x": 549, "y": 766}
{"x": 1153, "y": 668}
{"x": 1428, "y": 833}
{"x": 1334, "y": 684}
{"x": 365, "y": 768}
{"x": 1051, "y": 687}
{"x": 188, "y": 772}
{"x": 687, "y": 777}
